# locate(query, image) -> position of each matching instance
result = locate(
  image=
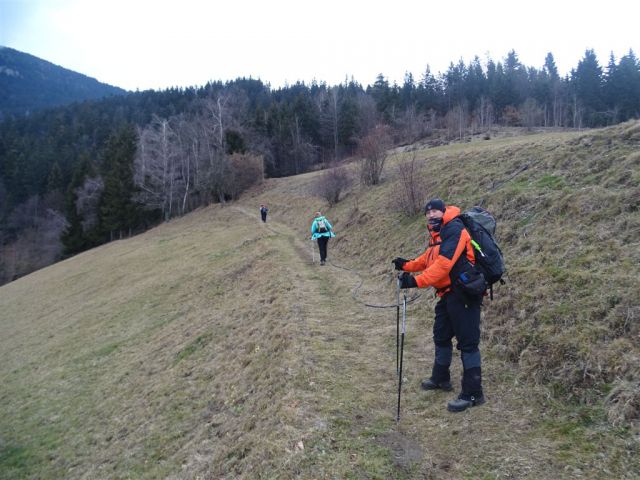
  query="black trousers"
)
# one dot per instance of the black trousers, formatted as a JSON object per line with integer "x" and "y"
{"x": 322, "y": 246}
{"x": 264, "y": 216}
{"x": 460, "y": 319}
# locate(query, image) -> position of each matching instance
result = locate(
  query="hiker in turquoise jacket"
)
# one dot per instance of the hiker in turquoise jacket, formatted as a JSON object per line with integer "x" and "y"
{"x": 322, "y": 231}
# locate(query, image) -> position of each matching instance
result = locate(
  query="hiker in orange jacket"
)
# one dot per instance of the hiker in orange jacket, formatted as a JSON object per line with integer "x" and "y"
{"x": 456, "y": 314}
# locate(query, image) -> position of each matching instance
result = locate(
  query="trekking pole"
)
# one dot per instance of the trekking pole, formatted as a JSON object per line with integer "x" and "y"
{"x": 313, "y": 252}
{"x": 404, "y": 321}
{"x": 397, "y": 326}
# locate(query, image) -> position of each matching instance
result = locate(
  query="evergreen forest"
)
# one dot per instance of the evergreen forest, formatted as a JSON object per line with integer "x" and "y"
{"x": 76, "y": 176}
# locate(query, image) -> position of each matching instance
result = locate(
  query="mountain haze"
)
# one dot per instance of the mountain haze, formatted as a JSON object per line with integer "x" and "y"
{"x": 212, "y": 346}
{"x": 28, "y": 84}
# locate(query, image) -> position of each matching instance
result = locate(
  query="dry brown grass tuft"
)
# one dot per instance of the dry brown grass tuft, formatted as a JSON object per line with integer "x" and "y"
{"x": 623, "y": 404}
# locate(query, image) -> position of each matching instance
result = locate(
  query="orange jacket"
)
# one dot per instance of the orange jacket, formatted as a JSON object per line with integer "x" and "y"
{"x": 445, "y": 247}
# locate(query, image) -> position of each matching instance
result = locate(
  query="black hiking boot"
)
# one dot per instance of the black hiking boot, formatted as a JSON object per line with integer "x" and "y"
{"x": 440, "y": 379}
{"x": 429, "y": 384}
{"x": 471, "y": 395}
{"x": 463, "y": 402}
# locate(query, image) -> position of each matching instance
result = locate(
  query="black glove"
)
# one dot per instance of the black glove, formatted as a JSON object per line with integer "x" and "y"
{"x": 399, "y": 262}
{"x": 407, "y": 280}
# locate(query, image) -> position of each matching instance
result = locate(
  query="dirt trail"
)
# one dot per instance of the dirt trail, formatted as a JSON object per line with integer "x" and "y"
{"x": 350, "y": 354}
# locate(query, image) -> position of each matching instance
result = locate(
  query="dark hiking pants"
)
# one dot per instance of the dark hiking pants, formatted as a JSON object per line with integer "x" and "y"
{"x": 459, "y": 319}
{"x": 322, "y": 246}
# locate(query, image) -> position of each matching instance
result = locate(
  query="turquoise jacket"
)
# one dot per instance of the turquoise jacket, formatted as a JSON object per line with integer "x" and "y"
{"x": 314, "y": 229}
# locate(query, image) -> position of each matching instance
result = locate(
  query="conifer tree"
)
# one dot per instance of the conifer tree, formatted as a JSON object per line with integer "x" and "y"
{"x": 587, "y": 81}
{"x": 552, "y": 88}
{"x": 118, "y": 212}
{"x": 74, "y": 238}
{"x": 408, "y": 91}
{"x": 54, "y": 180}
{"x": 622, "y": 87}
{"x": 429, "y": 92}
{"x": 516, "y": 85}
{"x": 476, "y": 83}
{"x": 348, "y": 123}
{"x": 496, "y": 86}
{"x": 381, "y": 93}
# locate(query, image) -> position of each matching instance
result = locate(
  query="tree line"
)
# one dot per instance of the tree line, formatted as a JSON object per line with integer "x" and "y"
{"x": 98, "y": 170}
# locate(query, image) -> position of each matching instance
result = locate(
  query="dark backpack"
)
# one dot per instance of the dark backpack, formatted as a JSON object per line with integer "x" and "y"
{"x": 481, "y": 225}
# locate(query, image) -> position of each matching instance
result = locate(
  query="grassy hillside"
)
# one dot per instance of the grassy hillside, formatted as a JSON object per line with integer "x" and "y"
{"x": 569, "y": 224}
{"x": 211, "y": 347}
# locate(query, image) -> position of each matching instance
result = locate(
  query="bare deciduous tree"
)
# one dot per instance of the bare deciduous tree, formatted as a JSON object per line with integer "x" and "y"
{"x": 577, "y": 111}
{"x": 182, "y": 161}
{"x": 369, "y": 116}
{"x": 218, "y": 115}
{"x": 456, "y": 121}
{"x": 332, "y": 183}
{"x": 38, "y": 243}
{"x": 373, "y": 152}
{"x": 411, "y": 194}
{"x": 411, "y": 125}
{"x": 530, "y": 113}
{"x": 26, "y": 214}
{"x": 245, "y": 170}
{"x": 485, "y": 113}
{"x": 87, "y": 199}
{"x": 156, "y": 166}
{"x": 303, "y": 151}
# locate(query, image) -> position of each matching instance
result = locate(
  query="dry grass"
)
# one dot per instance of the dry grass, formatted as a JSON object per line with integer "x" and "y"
{"x": 211, "y": 347}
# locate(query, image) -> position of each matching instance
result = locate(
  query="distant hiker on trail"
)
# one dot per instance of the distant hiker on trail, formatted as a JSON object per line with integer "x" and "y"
{"x": 263, "y": 212}
{"x": 322, "y": 231}
{"x": 456, "y": 314}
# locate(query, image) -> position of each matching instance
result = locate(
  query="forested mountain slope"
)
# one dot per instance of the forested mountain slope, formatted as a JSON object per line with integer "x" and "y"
{"x": 213, "y": 347}
{"x": 189, "y": 142}
{"x": 28, "y": 84}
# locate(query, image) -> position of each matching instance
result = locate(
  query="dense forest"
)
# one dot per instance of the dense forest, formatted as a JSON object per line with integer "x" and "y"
{"x": 77, "y": 176}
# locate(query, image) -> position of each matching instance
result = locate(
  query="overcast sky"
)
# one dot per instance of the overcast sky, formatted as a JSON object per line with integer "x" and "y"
{"x": 142, "y": 44}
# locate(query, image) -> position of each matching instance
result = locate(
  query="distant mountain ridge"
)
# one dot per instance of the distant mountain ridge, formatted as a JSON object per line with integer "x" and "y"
{"x": 28, "y": 84}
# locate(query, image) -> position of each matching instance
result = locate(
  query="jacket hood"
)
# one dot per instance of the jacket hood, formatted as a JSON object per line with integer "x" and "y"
{"x": 450, "y": 213}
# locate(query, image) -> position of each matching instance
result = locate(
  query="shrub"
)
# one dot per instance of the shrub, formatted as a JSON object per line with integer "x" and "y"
{"x": 245, "y": 170}
{"x": 373, "y": 151}
{"x": 411, "y": 193}
{"x": 332, "y": 183}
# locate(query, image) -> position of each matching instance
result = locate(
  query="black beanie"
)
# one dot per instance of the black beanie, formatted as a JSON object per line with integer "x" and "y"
{"x": 434, "y": 204}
